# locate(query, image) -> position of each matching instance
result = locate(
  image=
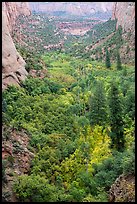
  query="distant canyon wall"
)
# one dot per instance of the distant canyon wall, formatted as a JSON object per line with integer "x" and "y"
{"x": 13, "y": 65}
{"x": 124, "y": 12}
{"x": 72, "y": 8}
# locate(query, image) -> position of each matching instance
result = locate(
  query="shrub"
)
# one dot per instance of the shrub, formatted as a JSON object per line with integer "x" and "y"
{"x": 108, "y": 171}
{"x": 4, "y": 178}
{"x": 35, "y": 189}
{"x": 128, "y": 163}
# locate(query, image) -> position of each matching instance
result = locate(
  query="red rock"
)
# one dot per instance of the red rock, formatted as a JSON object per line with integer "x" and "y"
{"x": 12, "y": 62}
{"x": 124, "y": 12}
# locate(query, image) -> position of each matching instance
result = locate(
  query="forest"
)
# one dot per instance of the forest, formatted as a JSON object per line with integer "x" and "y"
{"x": 80, "y": 119}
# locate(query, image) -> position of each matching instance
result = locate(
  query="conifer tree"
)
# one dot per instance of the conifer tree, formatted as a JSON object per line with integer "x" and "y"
{"x": 108, "y": 64}
{"x": 119, "y": 66}
{"x": 98, "y": 107}
{"x": 116, "y": 121}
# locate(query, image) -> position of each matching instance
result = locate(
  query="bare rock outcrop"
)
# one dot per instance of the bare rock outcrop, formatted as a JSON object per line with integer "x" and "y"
{"x": 13, "y": 65}
{"x": 123, "y": 189}
{"x": 16, "y": 158}
{"x": 124, "y": 12}
{"x": 13, "y": 10}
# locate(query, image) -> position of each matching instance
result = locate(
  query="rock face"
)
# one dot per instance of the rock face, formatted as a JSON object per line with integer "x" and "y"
{"x": 13, "y": 10}
{"x": 16, "y": 157}
{"x": 124, "y": 12}
{"x": 123, "y": 189}
{"x": 13, "y": 65}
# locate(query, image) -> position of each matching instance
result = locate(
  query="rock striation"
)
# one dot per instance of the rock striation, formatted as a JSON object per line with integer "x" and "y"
{"x": 124, "y": 12}
{"x": 13, "y": 65}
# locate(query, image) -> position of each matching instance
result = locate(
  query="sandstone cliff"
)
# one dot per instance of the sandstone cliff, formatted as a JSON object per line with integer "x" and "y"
{"x": 13, "y": 65}
{"x": 124, "y": 12}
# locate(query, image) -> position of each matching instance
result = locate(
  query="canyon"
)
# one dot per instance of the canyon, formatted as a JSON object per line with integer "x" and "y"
{"x": 59, "y": 78}
{"x": 13, "y": 65}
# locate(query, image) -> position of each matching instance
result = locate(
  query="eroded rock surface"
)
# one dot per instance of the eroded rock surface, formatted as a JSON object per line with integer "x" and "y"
{"x": 16, "y": 157}
{"x": 124, "y": 12}
{"x": 123, "y": 189}
{"x": 13, "y": 65}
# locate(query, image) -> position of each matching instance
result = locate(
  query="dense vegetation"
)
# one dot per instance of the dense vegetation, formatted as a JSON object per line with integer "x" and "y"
{"x": 80, "y": 119}
{"x": 99, "y": 31}
{"x": 44, "y": 29}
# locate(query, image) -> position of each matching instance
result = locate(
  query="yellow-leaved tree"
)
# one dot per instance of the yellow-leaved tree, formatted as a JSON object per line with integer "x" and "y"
{"x": 93, "y": 148}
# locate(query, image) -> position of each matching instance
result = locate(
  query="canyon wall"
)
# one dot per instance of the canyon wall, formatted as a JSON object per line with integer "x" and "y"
{"x": 13, "y": 65}
{"x": 72, "y": 8}
{"x": 124, "y": 12}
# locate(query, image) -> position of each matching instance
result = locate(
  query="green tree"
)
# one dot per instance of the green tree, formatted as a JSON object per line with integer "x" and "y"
{"x": 119, "y": 66}
{"x": 116, "y": 120}
{"x": 35, "y": 188}
{"x": 108, "y": 64}
{"x": 130, "y": 104}
{"x": 98, "y": 106}
{"x": 83, "y": 123}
